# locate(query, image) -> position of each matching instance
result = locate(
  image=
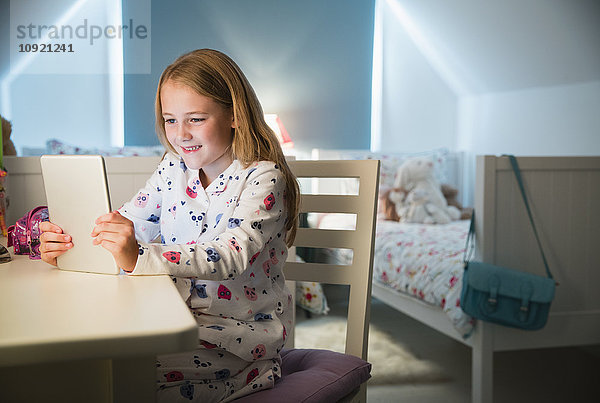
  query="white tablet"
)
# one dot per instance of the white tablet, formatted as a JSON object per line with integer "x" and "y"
{"x": 77, "y": 194}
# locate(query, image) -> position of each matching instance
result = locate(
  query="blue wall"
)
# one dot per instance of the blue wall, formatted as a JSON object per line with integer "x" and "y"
{"x": 309, "y": 61}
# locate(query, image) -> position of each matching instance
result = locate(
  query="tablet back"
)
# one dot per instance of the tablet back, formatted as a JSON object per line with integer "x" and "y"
{"x": 77, "y": 194}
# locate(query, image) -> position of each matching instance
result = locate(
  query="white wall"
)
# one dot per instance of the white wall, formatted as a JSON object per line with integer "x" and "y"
{"x": 67, "y": 96}
{"x": 418, "y": 106}
{"x": 560, "y": 120}
{"x": 489, "y": 77}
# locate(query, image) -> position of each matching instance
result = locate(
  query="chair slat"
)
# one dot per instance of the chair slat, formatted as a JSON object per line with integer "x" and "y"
{"x": 318, "y": 272}
{"x": 329, "y": 204}
{"x": 328, "y": 169}
{"x": 326, "y": 238}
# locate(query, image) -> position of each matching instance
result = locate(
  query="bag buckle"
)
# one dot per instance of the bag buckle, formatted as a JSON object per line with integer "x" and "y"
{"x": 526, "y": 292}
{"x": 492, "y": 301}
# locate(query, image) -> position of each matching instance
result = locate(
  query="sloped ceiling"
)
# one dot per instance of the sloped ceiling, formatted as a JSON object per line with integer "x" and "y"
{"x": 496, "y": 46}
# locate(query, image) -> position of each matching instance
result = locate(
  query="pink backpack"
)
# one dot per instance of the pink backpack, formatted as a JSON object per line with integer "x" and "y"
{"x": 24, "y": 236}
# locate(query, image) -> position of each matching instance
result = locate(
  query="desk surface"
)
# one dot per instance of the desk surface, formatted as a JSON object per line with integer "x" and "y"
{"x": 47, "y": 315}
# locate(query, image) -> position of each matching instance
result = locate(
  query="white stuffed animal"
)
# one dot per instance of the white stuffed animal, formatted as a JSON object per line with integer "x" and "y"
{"x": 418, "y": 195}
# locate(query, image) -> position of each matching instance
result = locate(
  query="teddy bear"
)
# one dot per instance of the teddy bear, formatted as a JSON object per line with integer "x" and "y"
{"x": 450, "y": 194}
{"x": 417, "y": 194}
{"x": 7, "y": 145}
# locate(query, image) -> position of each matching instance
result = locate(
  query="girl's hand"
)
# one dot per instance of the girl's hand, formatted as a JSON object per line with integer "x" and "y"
{"x": 116, "y": 234}
{"x": 53, "y": 242}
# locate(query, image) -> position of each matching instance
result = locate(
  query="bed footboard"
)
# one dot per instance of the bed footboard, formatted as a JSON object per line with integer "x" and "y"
{"x": 564, "y": 194}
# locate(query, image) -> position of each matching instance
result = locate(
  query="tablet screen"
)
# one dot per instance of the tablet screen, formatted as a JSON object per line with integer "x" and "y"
{"x": 77, "y": 194}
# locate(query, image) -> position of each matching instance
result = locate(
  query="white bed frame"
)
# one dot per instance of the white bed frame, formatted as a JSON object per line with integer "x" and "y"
{"x": 564, "y": 193}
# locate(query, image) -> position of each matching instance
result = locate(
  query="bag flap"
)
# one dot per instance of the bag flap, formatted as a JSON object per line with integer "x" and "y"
{"x": 509, "y": 282}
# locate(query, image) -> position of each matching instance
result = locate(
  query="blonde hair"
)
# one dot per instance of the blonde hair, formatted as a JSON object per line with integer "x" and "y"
{"x": 213, "y": 74}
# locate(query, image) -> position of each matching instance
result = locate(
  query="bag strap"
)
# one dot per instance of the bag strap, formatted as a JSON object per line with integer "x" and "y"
{"x": 470, "y": 246}
{"x": 517, "y": 171}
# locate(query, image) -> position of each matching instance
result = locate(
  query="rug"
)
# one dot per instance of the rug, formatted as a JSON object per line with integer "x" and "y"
{"x": 392, "y": 362}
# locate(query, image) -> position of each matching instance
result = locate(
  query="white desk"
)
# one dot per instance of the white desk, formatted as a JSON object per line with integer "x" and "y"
{"x": 67, "y": 335}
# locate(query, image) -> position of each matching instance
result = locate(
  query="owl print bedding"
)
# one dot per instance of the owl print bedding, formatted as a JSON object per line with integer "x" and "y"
{"x": 224, "y": 247}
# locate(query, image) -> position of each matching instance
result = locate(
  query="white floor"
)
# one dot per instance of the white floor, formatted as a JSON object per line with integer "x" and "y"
{"x": 544, "y": 375}
{"x": 529, "y": 376}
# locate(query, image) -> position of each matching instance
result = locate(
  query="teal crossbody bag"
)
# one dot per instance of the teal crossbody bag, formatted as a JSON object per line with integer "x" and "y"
{"x": 506, "y": 296}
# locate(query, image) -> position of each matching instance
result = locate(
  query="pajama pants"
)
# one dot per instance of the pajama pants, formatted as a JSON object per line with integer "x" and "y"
{"x": 211, "y": 375}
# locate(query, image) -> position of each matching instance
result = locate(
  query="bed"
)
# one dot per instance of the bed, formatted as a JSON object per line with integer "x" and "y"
{"x": 418, "y": 268}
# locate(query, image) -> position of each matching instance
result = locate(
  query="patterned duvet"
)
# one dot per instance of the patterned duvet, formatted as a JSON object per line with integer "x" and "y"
{"x": 423, "y": 260}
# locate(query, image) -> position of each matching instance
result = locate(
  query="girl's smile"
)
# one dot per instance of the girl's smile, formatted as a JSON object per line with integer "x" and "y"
{"x": 189, "y": 150}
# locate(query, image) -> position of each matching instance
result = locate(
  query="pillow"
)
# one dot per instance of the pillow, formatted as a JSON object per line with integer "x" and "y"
{"x": 54, "y": 146}
{"x": 390, "y": 162}
{"x": 310, "y": 296}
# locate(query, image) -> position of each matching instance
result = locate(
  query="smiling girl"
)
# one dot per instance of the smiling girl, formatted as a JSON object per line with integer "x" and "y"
{"x": 224, "y": 205}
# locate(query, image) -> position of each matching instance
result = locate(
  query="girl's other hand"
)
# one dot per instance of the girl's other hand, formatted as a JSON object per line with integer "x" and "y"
{"x": 116, "y": 234}
{"x": 53, "y": 242}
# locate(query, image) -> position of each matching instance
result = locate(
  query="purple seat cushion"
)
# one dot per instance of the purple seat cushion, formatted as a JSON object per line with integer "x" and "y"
{"x": 311, "y": 375}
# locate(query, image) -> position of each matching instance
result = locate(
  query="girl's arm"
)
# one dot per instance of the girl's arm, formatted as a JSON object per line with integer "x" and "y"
{"x": 258, "y": 218}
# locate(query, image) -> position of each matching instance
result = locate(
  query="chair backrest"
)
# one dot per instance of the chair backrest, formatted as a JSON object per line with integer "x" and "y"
{"x": 358, "y": 275}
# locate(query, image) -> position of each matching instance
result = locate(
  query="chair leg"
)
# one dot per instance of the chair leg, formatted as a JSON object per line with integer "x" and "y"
{"x": 358, "y": 395}
{"x": 362, "y": 394}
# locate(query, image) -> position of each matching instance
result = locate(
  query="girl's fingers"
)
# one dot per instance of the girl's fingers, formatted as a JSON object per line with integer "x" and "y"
{"x": 50, "y": 247}
{"x": 52, "y": 256}
{"x": 113, "y": 222}
{"x": 49, "y": 251}
{"x": 54, "y": 237}
{"x": 117, "y": 238}
{"x": 113, "y": 216}
{"x": 50, "y": 260}
{"x": 47, "y": 226}
{"x": 124, "y": 251}
{"x": 111, "y": 227}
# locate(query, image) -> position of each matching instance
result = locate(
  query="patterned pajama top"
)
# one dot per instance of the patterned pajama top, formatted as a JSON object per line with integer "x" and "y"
{"x": 224, "y": 247}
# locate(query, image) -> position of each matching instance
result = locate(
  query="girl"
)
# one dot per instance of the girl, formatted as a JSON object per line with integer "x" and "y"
{"x": 225, "y": 205}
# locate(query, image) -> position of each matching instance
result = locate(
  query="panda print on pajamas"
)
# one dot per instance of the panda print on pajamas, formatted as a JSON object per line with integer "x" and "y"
{"x": 233, "y": 273}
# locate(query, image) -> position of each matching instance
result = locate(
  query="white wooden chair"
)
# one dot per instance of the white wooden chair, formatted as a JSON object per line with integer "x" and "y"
{"x": 310, "y": 375}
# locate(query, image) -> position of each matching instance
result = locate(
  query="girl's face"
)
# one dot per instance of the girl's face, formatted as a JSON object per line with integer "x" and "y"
{"x": 198, "y": 128}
